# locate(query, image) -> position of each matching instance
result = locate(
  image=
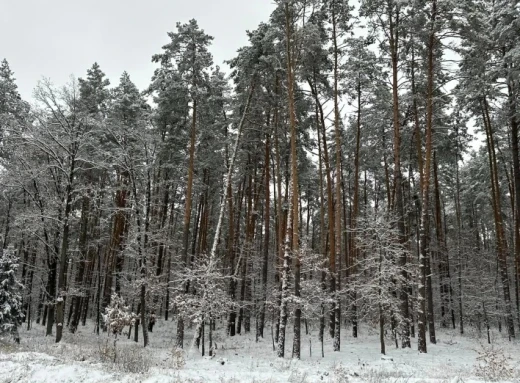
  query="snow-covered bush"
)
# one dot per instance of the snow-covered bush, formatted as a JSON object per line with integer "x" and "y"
{"x": 108, "y": 351}
{"x": 117, "y": 315}
{"x": 178, "y": 358}
{"x": 340, "y": 374}
{"x": 208, "y": 293}
{"x": 314, "y": 293}
{"x": 133, "y": 359}
{"x": 10, "y": 294}
{"x": 493, "y": 364}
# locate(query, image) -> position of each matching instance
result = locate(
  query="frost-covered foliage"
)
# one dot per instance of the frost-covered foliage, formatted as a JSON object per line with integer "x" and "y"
{"x": 118, "y": 315}
{"x": 208, "y": 294}
{"x": 178, "y": 358}
{"x": 314, "y": 291}
{"x": 10, "y": 294}
{"x": 378, "y": 274}
{"x": 493, "y": 364}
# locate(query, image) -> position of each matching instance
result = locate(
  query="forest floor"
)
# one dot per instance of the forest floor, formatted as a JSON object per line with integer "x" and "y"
{"x": 84, "y": 357}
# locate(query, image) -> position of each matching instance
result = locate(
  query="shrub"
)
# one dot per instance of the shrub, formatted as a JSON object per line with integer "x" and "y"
{"x": 493, "y": 364}
{"x": 133, "y": 359}
{"x": 178, "y": 358}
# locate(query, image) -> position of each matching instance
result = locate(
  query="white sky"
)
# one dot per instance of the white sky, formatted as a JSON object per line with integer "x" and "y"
{"x": 57, "y": 38}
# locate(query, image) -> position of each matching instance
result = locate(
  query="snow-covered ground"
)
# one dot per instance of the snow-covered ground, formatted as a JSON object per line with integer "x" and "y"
{"x": 84, "y": 357}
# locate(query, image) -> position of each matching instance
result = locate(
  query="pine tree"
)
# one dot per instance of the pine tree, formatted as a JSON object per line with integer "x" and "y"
{"x": 93, "y": 100}
{"x": 10, "y": 99}
{"x": 133, "y": 150}
{"x": 93, "y": 90}
{"x": 12, "y": 108}
{"x": 188, "y": 54}
{"x": 11, "y": 315}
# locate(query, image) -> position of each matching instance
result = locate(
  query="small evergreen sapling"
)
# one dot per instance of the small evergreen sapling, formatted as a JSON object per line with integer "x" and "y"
{"x": 10, "y": 295}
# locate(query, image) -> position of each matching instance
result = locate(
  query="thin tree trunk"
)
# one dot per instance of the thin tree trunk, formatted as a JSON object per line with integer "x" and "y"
{"x": 323, "y": 242}
{"x": 337, "y": 223}
{"x": 516, "y": 175}
{"x": 355, "y": 208}
{"x": 62, "y": 276}
{"x": 267, "y": 207}
{"x": 398, "y": 202}
{"x": 330, "y": 210}
{"x": 499, "y": 227}
{"x": 294, "y": 194}
{"x": 179, "y": 341}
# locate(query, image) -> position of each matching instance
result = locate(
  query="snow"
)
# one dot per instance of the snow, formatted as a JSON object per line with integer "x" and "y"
{"x": 241, "y": 359}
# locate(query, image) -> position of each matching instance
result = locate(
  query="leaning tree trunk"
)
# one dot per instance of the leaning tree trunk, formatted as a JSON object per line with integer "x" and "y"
{"x": 212, "y": 262}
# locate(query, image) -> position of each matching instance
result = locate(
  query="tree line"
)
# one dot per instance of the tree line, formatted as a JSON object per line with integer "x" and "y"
{"x": 330, "y": 180}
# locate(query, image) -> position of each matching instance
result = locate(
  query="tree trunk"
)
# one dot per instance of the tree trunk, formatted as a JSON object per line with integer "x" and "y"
{"x": 330, "y": 210}
{"x": 444, "y": 268}
{"x": 516, "y": 175}
{"x": 267, "y": 222}
{"x": 294, "y": 194}
{"x": 323, "y": 242}
{"x": 80, "y": 274}
{"x": 187, "y": 216}
{"x": 337, "y": 223}
{"x": 355, "y": 207}
{"x": 62, "y": 276}
{"x": 398, "y": 201}
{"x": 501, "y": 242}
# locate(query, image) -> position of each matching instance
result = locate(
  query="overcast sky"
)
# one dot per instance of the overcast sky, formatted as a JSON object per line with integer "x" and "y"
{"x": 57, "y": 38}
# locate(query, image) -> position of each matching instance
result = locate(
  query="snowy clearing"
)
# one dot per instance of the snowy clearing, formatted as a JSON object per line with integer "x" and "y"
{"x": 85, "y": 358}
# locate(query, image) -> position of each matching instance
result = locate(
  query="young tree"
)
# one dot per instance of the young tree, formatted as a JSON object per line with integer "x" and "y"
{"x": 11, "y": 315}
{"x": 11, "y": 103}
{"x": 376, "y": 236}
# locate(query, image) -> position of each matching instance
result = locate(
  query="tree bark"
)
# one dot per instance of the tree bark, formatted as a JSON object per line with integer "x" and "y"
{"x": 501, "y": 242}
{"x": 398, "y": 201}
{"x": 62, "y": 276}
{"x": 294, "y": 193}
